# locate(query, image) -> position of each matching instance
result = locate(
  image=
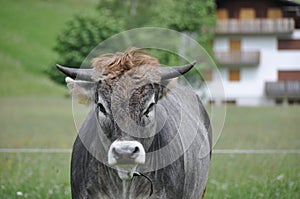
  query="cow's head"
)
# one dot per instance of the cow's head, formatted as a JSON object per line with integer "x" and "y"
{"x": 124, "y": 89}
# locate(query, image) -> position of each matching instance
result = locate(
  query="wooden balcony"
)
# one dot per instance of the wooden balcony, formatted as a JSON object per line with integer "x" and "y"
{"x": 237, "y": 58}
{"x": 255, "y": 26}
{"x": 284, "y": 89}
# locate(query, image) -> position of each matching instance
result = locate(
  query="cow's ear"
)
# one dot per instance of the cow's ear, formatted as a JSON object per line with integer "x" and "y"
{"x": 83, "y": 91}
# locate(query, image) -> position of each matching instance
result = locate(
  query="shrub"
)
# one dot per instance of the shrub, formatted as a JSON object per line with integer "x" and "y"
{"x": 80, "y": 36}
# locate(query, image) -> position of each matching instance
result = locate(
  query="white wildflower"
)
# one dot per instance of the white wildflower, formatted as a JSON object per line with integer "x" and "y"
{"x": 291, "y": 184}
{"x": 280, "y": 177}
{"x": 50, "y": 191}
{"x": 224, "y": 186}
{"x": 19, "y": 193}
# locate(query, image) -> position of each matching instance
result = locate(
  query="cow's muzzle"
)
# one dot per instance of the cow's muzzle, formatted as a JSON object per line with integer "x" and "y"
{"x": 125, "y": 156}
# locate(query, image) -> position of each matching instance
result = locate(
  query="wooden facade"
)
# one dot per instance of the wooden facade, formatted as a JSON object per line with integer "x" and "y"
{"x": 289, "y": 44}
{"x": 289, "y": 75}
{"x": 262, "y": 9}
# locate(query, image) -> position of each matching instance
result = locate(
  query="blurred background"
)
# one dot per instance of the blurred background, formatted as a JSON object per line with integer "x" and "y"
{"x": 255, "y": 43}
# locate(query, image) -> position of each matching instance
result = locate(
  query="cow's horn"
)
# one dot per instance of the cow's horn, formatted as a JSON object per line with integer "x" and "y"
{"x": 81, "y": 74}
{"x": 172, "y": 72}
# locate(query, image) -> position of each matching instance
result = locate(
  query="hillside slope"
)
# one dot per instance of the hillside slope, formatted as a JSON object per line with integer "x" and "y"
{"x": 27, "y": 36}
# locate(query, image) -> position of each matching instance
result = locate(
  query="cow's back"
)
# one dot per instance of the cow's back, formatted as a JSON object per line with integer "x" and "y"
{"x": 197, "y": 145}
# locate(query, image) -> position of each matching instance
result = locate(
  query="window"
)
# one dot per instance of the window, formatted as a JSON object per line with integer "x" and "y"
{"x": 292, "y": 75}
{"x": 235, "y": 45}
{"x": 289, "y": 44}
{"x": 247, "y": 13}
{"x": 234, "y": 75}
{"x": 274, "y": 13}
{"x": 222, "y": 14}
{"x": 207, "y": 75}
{"x": 235, "y": 48}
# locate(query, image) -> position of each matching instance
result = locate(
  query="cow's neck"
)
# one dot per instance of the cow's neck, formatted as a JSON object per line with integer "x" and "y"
{"x": 126, "y": 189}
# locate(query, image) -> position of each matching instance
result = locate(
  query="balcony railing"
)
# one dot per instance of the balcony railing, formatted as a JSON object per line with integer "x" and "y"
{"x": 238, "y": 58}
{"x": 290, "y": 89}
{"x": 255, "y": 26}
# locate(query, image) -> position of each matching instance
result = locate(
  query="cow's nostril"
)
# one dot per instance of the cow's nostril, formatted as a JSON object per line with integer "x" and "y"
{"x": 115, "y": 152}
{"x": 136, "y": 150}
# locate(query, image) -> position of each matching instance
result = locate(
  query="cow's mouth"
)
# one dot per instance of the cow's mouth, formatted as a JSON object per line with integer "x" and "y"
{"x": 125, "y": 156}
{"x": 126, "y": 172}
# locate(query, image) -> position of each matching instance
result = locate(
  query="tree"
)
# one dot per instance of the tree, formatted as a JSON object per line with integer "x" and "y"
{"x": 184, "y": 15}
{"x": 83, "y": 33}
{"x": 135, "y": 13}
{"x": 80, "y": 36}
{"x": 194, "y": 16}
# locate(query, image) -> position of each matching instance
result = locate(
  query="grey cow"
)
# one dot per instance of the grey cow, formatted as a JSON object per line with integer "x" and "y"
{"x": 140, "y": 135}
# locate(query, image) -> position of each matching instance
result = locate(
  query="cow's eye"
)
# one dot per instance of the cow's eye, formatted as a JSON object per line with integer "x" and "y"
{"x": 149, "y": 109}
{"x": 101, "y": 108}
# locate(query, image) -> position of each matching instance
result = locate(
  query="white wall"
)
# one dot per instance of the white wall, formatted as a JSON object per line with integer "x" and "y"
{"x": 262, "y": 43}
{"x": 221, "y": 44}
{"x": 296, "y": 34}
{"x": 250, "y": 89}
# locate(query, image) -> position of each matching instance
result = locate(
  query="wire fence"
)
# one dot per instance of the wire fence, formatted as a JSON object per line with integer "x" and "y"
{"x": 217, "y": 151}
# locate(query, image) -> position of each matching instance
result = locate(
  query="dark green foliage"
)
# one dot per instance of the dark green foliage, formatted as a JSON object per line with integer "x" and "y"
{"x": 185, "y": 15}
{"x": 79, "y": 37}
{"x": 165, "y": 57}
{"x": 193, "y": 17}
{"x": 136, "y": 13}
{"x": 83, "y": 33}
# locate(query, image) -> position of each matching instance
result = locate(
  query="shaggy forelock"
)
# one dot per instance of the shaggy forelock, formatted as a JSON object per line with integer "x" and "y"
{"x": 114, "y": 65}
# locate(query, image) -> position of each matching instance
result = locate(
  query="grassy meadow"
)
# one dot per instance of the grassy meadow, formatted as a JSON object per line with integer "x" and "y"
{"x": 47, "y": 123}
{"x": 34, "y": 113}
{"x": 27, "y": 37}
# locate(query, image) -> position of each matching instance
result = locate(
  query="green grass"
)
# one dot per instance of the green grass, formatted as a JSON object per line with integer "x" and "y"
{"x": 15, "y": 81}
{"x": 35, "y": 176}
{"x": 252, "y": 176}
{"x": 231, "y": 176}
{"x": 27, "y": 37}
{"x": 273, "y": 127}
{"x": 46, "y": 122}
{"x": 36, "y": 122}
